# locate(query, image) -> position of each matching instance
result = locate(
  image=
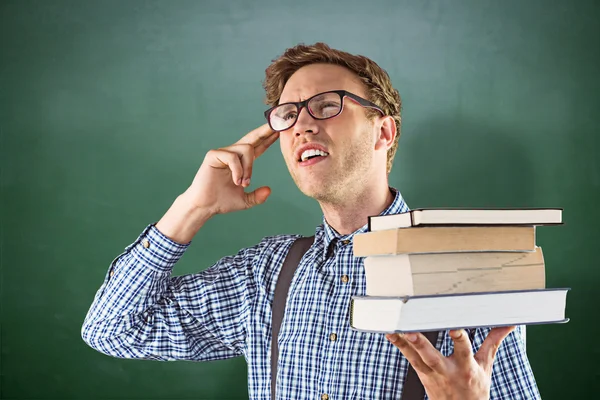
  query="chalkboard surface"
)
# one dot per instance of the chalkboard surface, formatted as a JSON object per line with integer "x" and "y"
{"x": 108, "y": 107}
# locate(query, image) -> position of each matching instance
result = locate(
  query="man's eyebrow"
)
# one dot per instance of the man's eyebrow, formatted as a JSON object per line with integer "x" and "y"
{"x": 288, "y": 101}
{"x": 302, "y": 98}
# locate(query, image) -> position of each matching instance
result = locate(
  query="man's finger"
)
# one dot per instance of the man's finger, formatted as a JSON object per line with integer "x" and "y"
{"x": 428, "y": 353}
{"x": 258, "y": 196}
{"x": 247, "y": 155}
{"x": 227, "y": 159}
{"x": 256, "y": 136}
{"x": 265, "y": 144}
{"x": 463, "y": 352}
{"x": 487, "y": 352}
{"x": 411, "y": 354}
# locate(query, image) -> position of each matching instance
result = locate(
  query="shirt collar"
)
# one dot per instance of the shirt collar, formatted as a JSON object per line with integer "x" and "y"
{"x": 330, "y": 235}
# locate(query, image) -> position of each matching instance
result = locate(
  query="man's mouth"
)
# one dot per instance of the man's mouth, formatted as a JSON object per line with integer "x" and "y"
{"x": 311, "y": 154}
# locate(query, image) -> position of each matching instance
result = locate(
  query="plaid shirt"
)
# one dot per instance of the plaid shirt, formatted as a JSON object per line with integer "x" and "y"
{"x": 142, "y": 311}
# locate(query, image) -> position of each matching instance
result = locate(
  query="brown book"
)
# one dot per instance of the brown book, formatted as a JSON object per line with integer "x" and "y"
{"x": 447, "y": 273}
{"x": 445, "y": 239}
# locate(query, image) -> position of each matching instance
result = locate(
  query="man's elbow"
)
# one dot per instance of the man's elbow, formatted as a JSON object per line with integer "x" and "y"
{"x": 99, "y": 337}
{"x": 92, "y": 336}
{"x": 104, "y": 338}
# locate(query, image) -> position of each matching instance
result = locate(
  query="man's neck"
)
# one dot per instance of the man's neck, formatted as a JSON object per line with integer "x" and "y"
{"x": 355, "y": 210}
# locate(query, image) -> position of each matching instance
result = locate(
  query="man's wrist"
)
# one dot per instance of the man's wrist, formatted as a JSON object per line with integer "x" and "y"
{"x": 183, "y": 220}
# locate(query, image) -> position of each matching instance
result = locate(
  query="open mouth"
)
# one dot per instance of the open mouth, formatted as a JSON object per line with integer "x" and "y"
{"x": 312, "y": 154}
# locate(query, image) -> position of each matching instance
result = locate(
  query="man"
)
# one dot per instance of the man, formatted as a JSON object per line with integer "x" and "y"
{"x": 337, "y": 118}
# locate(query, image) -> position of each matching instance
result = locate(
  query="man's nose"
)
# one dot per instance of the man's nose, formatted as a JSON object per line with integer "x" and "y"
{"x": 305, "y": 123}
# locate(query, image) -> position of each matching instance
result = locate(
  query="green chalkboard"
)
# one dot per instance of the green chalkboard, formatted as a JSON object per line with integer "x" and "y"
{"x": 108, "y": 107}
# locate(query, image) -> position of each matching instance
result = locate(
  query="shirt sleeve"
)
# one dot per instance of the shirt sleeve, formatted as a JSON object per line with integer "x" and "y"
{"x": 141, "y": 311}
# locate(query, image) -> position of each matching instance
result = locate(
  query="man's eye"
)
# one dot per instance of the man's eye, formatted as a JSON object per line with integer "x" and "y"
{"x": 330, "y": 104}
{"x": 328, "y": 108}
{"x": 290, "y": 115}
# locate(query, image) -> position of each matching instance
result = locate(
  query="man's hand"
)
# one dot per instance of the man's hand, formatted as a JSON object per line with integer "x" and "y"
{"x": 220, "y": 182}
{"x": 219, "y": 186}
{"x": 461, "y": 376}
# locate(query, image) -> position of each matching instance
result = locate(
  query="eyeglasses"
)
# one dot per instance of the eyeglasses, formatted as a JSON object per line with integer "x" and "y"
{"x": 320, "y": 106}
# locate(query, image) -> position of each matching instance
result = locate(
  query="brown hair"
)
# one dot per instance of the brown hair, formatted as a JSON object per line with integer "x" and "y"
{"x": 377, "y": 81}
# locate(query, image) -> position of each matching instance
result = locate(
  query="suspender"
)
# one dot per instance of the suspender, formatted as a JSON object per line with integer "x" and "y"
{"x": 413, "y": 388}
{"x": 299, "y": 247}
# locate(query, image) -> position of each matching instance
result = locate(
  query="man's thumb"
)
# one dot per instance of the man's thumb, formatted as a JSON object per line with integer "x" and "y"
{"x": 258, "y": 196}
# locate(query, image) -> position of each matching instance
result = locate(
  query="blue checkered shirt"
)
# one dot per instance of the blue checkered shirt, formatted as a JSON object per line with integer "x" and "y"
{"x": 142, "y": 311}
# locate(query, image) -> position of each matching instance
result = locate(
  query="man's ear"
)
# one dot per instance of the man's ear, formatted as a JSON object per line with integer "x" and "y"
{"x": 386, "y": 134}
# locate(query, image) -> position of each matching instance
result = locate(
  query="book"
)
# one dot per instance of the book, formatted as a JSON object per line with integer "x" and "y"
{"x": 446, "y": 273}
{"x": 456, "y": 311}
{"x": 465, "y": 216}
{"x": 444, "y": 240}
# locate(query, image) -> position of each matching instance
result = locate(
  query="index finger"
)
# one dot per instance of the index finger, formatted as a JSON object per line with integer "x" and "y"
{"x": 256, "y": 136}
{"x": 429, "y": 354}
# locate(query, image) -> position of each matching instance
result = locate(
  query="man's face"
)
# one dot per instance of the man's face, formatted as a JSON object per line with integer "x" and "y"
{"x": 348, "y": 139}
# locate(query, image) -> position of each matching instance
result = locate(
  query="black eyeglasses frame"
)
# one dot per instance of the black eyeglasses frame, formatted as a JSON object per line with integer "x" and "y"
{"x": 302, "y": 104}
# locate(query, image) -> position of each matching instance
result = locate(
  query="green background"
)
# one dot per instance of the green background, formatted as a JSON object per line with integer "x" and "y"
{"x": 108, "y": 107}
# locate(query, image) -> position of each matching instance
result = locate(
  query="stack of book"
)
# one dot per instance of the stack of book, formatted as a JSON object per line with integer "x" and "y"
{"x": 438, "y": 269}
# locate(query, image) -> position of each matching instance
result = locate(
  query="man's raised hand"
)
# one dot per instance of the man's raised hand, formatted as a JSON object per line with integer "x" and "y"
{"x": 219, "y": 186}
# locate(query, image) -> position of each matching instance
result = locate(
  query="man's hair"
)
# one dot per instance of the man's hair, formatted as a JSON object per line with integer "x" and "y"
{"x": 377, "y": 81}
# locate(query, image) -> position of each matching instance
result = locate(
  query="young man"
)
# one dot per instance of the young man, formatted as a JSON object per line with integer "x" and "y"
{"x": 337, "y": 118}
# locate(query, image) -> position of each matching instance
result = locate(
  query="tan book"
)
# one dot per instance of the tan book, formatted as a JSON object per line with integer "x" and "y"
{"x": 444, "y": 240}
{"x": 447, "y": 273}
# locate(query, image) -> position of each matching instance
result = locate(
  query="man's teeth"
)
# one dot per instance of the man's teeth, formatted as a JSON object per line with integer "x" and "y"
{"x": 306, "y": 154}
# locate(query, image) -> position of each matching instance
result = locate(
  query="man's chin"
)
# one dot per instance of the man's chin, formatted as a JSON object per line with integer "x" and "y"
{"x": 321, "y": 193}
{"x": 312, "y": 185}
{"x": 310, "y": 189}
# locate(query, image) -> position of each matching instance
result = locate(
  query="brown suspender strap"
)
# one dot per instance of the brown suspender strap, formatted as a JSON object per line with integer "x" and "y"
{"x": 413, "y": 388}
{"x": 299, "y": 247}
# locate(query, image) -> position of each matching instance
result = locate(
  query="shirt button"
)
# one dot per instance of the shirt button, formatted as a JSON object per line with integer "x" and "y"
{"x": 345, "y": 241}
{"x": 112, "y": 272}
{"x": 345, "y": 279}
{"x": 324, "y": 396}
{"x": 333, "y": 337}
{"x": 145, "y": 243}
